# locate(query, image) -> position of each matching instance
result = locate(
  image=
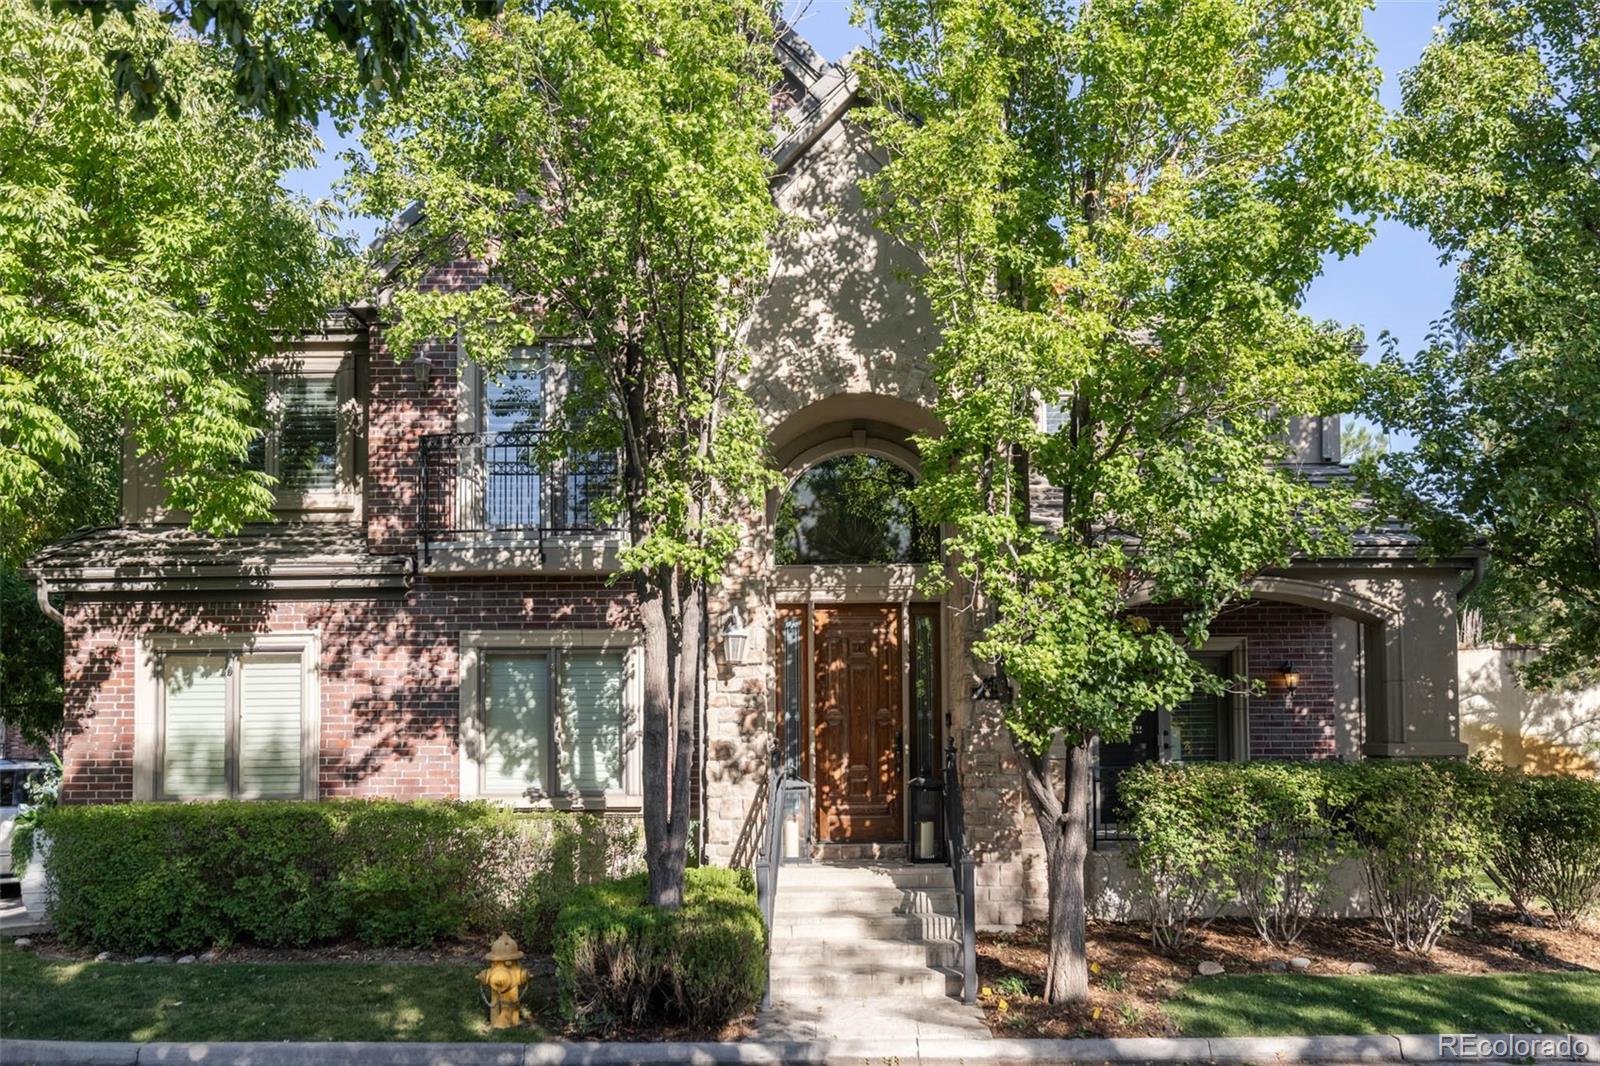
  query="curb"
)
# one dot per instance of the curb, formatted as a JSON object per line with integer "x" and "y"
{"x": 931, "y": 1052}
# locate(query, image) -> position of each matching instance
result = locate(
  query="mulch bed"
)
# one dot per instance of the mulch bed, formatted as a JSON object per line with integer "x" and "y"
{"x": 1132, "y": 979}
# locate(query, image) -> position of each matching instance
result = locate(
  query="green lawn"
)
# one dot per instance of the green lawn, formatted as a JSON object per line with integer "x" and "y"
{"x": 50, "y": 1000}
{"x": 1297, "y": 1005}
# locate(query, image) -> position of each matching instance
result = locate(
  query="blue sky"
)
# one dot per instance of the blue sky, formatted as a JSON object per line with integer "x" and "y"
{"x": 1395, "y": 284}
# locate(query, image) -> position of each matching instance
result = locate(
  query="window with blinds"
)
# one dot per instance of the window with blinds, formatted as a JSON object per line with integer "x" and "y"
{"x": 301, "y": 448}
{"x": 578, "y": 747}
{"x": 232, "y": 725}
{"x": 308, "y": 435}
{"x": 194, "y": 757}
{"x": 270, "y": 731}
{"x": 591, "y": 721}
{"x": 516, "y": 724}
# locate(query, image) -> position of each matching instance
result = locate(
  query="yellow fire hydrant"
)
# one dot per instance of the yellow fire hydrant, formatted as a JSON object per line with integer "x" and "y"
{"x": 502, "y": 983}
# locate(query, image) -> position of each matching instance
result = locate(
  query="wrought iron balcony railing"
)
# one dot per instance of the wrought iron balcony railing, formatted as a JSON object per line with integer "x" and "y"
{"x": 519, "y": 481}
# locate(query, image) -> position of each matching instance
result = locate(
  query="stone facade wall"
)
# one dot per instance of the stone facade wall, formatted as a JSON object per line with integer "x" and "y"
{"x": 389, "y": 674}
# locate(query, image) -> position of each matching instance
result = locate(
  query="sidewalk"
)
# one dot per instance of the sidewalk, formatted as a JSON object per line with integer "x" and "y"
{"x": 873, "y": 1052}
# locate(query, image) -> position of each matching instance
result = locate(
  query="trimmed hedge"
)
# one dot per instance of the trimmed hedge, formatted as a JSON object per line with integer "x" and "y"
{"x": 620, "y": 961}
{"x": 1267, "y": 836}
{"x": 139, "y": 878}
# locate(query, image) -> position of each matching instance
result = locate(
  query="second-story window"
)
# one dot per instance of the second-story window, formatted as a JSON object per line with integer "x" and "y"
{"x": 513, "y": 413}
{"x": 301, "y": 445}
{"x": 527, "y": 483}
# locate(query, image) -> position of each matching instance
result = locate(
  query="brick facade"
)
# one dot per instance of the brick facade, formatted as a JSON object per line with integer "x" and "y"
{"x": 825, "y": 380}
{"x": 390, "y": 665}
{"x": 13, "y": 745}
{"x": 1000, "y": 823}
{"x": 389, "y": 674}
{"x": 1283, "y": 725}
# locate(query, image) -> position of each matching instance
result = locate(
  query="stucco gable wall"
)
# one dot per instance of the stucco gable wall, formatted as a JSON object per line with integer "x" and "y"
{"x": 841, "y": 314}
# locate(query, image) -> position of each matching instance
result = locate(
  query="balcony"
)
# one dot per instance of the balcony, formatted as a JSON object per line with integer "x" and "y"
{"x": 516, "y": 501}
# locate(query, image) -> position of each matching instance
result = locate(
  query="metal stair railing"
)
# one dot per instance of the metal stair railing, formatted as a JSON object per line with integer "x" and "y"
{"x": 961, "y": 870}
{"x": 782, "y": 783}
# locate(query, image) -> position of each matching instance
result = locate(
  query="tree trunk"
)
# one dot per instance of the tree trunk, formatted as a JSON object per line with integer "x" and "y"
{"x": 1065, "y": 830}
{"x": 673, "y": 681}
{"x": 659, "y": 696}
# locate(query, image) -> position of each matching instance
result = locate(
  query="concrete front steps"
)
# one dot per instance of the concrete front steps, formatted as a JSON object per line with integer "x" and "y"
{"x": 867, "y": 948}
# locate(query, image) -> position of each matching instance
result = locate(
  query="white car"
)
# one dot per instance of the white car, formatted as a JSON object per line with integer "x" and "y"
{"x": 16, "y": 776}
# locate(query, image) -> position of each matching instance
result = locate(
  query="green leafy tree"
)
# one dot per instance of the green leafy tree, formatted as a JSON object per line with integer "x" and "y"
{"x": 289, "y": 59}
{"x": 607, "y": 156}
{"x": 1119, "y": 206}
{"x": 1499, "y": 142}
{"x": 145, "y": 269}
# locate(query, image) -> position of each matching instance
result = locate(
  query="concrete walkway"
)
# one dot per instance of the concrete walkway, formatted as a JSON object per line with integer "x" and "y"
{"x": 16, "y": 921}
{"x": 880, "y": 1051}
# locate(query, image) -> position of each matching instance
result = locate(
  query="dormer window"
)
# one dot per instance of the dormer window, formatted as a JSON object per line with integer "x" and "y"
{"x": 301, "y": 445}
{"x": 309, "y": 442}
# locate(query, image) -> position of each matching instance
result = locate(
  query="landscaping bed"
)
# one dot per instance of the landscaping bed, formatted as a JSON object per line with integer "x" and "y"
{"x": 1499, "y": 974}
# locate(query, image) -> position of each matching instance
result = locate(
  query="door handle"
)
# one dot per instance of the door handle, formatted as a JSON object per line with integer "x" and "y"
{"x": 899, "y": 748}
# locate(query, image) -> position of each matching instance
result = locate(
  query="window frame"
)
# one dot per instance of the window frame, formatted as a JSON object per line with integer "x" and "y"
{"x": 478, "y": 646}
{"x": 1234, "y": 728}
{"x": 556, "y": 502}
{"x": 346, "y": 493}
{"x": 150, "y": 707}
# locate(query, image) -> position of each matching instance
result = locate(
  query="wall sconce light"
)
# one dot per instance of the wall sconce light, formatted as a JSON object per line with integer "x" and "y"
{"x": 995, "y": 688}
{"x": 421, "y": 366}
{"x": 1291, "y": 677}
{"x": 735, "y": 637}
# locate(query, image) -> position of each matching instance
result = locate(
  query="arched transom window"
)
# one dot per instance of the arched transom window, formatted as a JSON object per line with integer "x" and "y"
{"x": 852, "y": 509}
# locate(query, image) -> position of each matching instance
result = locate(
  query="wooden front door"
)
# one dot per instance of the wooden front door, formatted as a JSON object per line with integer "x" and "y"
{"x": 857, "y": 723}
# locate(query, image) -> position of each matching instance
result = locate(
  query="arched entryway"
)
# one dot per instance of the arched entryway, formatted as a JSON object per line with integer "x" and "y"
{"x": 858, "y": 645}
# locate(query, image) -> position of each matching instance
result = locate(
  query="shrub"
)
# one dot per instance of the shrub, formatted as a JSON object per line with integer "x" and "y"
{"x": 1547, "y": 843}
{"x": 619, "y": 961}
{"x": 147, "y": 877}
{"x": 1422, "y": 830}
{"x": 1285, "y": 846}
{"x": 539, "y": 864}
{"x": 1180, "y": 818}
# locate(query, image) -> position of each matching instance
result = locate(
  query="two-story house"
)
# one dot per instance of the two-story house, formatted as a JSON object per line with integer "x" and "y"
{"x": 433, "y": 614}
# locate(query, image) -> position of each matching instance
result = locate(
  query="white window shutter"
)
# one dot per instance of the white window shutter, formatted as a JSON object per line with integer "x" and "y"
{"x": 516, "y": 723}
{"x": 591, "y": 721}
{"x": 270, "y": 717}
{"x": 194, "y": 760}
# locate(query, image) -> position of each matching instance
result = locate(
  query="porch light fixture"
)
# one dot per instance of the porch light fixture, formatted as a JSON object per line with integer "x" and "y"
{"x": 421, "y": 366}
{"x": 994, "y": 688}
{"x": 735, "y": 637}
{"x": 1291, "y": 677}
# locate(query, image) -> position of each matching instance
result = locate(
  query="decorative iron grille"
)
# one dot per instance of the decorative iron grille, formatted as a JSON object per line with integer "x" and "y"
{"x": 514, "y": 481}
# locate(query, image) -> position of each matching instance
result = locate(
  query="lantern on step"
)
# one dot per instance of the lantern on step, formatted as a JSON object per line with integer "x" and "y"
{"x": 794, "y": 810}
{"x": 503, "y": 983}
